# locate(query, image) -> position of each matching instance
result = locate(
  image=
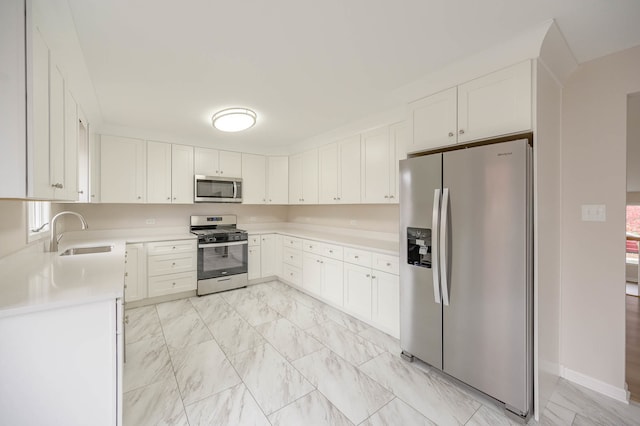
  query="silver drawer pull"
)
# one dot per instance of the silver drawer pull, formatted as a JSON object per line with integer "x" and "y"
{"x": 388, "y": 264}
{"x": 356, "y": 257}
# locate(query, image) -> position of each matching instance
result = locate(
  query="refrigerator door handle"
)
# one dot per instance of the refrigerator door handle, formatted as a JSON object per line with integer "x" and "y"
{"x": 443, "y": 240}
{"x": 435, "y": 265}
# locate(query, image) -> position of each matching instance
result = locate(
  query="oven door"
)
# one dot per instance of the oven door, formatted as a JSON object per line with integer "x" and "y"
{"x": 222, "y": 259}
{"x": 210, "y": 189}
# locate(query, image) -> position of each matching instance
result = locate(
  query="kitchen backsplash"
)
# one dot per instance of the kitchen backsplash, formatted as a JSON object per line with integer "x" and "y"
{"x": 380, "y": 218}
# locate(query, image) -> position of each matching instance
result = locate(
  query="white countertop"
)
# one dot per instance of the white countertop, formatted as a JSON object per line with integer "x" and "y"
{"x": 34, "y": 281}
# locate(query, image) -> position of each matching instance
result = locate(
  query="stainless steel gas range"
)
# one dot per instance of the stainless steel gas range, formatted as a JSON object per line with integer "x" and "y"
{"x": 222, "y": 253}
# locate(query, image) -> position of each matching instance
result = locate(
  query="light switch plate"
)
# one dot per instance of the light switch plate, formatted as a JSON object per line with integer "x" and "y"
{"x": 594, "y": 213}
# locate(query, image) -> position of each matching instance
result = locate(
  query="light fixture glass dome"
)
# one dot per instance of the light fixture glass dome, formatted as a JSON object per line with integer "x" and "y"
{"x": 234, "y": 119}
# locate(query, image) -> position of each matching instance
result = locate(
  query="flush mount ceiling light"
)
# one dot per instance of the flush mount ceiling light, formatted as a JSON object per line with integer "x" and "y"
{"x": 234, "y": 119}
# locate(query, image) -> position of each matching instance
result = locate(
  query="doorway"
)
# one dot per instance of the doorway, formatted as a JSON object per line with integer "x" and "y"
{"x": 632, "y": 301}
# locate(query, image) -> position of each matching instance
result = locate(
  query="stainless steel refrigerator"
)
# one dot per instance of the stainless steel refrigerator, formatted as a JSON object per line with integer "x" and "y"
{"x": 466, "y": 267}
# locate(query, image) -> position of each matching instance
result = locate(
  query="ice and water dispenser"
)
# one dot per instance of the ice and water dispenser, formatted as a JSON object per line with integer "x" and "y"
{"x": 419, "y": 247}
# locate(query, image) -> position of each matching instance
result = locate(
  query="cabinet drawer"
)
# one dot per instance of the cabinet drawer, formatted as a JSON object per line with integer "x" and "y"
{"x": 254, "y": 240}
{"x": 166, "y": 247}
{"x": 385, "y": 263}
{"x": 292, "y": 257}
{"x": 172, "y": 263}
{"x": 312, "y": 246}
{"x": 292, "y": 242}
{"x": 292, "y": 274}
{"x": 332, "y": 251}
{"x": 173, "y": 283}
{"x": 357, "y": 257}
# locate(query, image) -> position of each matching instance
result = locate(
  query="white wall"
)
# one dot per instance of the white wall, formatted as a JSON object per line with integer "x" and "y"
{"x": 594, "y": 172}
{"x": 13, "y": 226}
{"x": 380, "y": 218}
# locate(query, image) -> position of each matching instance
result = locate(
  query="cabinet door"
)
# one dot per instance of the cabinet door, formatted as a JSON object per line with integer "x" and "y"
{"x": 38, "y": 155}
{"x": 230, "y": 164}
{"x": 278, "y": 180}
{"x": 182, "y": 174}
{"x": 94, "y": 168}
{"x": 375, "y": 166}
{"x": 357, "y": 290}
{"x": 328, "y": 174}
{"x": 279, "y": 253}
{"x": 158, "y": 172}
{"x": 496, "y": 104}
{"x": 433, "y": 121}
{"x": 70, "y": 147}
{"x": 312, "y": 273}
{"x": 397, "y": 152}
{"x": 206, "y": 162}
{"x": 349, "y": 176}
{"x": 268, "y": 255}
{"x": 56, "y": 129}
{"x": 253, "y": 179}
{"x": 122, "y": 170}
{"x": 135, "y": 280}
{"x": 295, "y": 179}
{"x": 386, "y": 302}
{"x": 310, "y": 177}
{"x": 332, "y": 281}
{"x": 253, "y": 260}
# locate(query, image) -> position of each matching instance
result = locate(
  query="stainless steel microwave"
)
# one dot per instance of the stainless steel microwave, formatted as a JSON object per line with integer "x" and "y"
{"x": 215, "y": 189}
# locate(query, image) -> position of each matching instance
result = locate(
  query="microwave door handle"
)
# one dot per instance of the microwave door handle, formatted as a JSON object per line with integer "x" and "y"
{"x": 235, "y": 189}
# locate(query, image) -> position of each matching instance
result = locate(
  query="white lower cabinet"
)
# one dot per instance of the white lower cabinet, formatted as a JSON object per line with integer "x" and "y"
{"x": 163, "y": 285}
{"x": 312, "y": 273}
{"x": 386, "y": 302}
{"x": 332, "y": 281}
{"x": 135, "y": 276}
{"x": 357, "y": 290}
{"x": 171, "y": 267}
{"x": 254, "y": 260}
{"x": 268, "y": 255}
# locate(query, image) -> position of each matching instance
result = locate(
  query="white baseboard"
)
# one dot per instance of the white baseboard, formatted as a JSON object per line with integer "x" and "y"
{"x": 596, "y": 385}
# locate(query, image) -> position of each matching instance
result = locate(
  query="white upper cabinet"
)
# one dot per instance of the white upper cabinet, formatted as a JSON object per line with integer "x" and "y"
{"x": 71, "y": 147}
{"x": 254, "y": 168}
{"x": 182, "y": 174}
{"x": 328, "y": 174}
{"x": 211, "y": 162}
{"x": 434, "y": 120}
{"x": 397, "y": 152}
{"x": 496, "y": 104}
{"x": 123, "y": 170}
{"x": 303, "y": 178}
{"x": 158, "y": 172}
{"x": 339, "y": 172}
{"x": 277, "y": 180}
{"x": 56, "y": 129}
{"x": 378, "y": 167}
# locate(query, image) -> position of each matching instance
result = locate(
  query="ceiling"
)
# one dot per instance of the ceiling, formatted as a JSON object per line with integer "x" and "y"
{"x": 305, "y": 66}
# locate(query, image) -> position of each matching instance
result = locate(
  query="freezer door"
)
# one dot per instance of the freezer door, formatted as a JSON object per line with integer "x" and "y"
{"x": 485, "y": 325}
{"x": 420, "y": 315}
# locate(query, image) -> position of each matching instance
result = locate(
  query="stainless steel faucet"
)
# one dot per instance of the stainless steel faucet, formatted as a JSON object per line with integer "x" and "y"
{"x": 53, "y": 245}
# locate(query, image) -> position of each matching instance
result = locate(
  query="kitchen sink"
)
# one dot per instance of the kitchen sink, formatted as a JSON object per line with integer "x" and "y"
{"x": 86, "y": 250}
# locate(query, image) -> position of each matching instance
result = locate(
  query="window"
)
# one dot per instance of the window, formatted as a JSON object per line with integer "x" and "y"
{"x": 38, "y": 220}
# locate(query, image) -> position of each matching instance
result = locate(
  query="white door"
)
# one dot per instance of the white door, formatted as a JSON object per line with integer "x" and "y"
{"x": 230, "y": 164}
{"x": 135, "y": 279}
{"x": 70, "y": 147}
{"x": 268, "y": 255}
{"x": 206, "y": 162}
{"x": 295, "y": 179}
{"x": 357, "y": 290}
{"x": 386, "y": 302}
{"x": 158, "y": 172}
{"x": 278, "y": 180}
{"x": 38, "y": 155}
{"x": 312, "y": 273}
{"x": 56, "y": 130}
{"x": 496, "y": 104}
{"x": 375, "y": 166}
{"x": 123, "y": 170}
{"x": 182, "y": 174}
{"x": 349, "y": 175}
{"x": 433, "y": 121}
{"x": 253, "y": 260}
{"x": 253, "y": 179}
{"x": 310, "y": 177}
{"x": 332, "y": 281}
{"x": 328, "y": 174}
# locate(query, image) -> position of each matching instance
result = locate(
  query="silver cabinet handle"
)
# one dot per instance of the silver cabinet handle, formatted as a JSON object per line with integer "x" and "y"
{"x": 356, "y": 257}
{"x": 174, "y": 198}
{"x": 386, "y": 196}
{"x": 373, "y": 277}
{"x": 57, "y": 185}
{"x": 80, "y": 192}
{"x": 392, "y": 196}
{"x": 435, "y": 264}
{"x": 168, "y": 198}
{"x": 126, "y": 274}
{"x": 221, "y": 172}
{"x": 388, "y": 264}
{"x": 461, "y": 131}
{"x": 451, "y": 134}
{"x": 139, "y": 197}
{"x": 368, "y": 275}
{"x": 334, "y": 198}
{"x": 443, "y": 246}
{"x": 331, "y": 251}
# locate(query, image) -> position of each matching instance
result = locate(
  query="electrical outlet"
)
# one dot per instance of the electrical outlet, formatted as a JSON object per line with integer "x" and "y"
{"x": 151, "y": 221}
{"x": 594, "y": 213}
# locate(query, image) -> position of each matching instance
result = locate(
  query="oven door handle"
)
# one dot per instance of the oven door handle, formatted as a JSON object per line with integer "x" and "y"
{"x": 233, "y": 243}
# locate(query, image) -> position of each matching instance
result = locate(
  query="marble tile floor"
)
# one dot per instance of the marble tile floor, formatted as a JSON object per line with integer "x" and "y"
{"x": 271, "y": 355}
